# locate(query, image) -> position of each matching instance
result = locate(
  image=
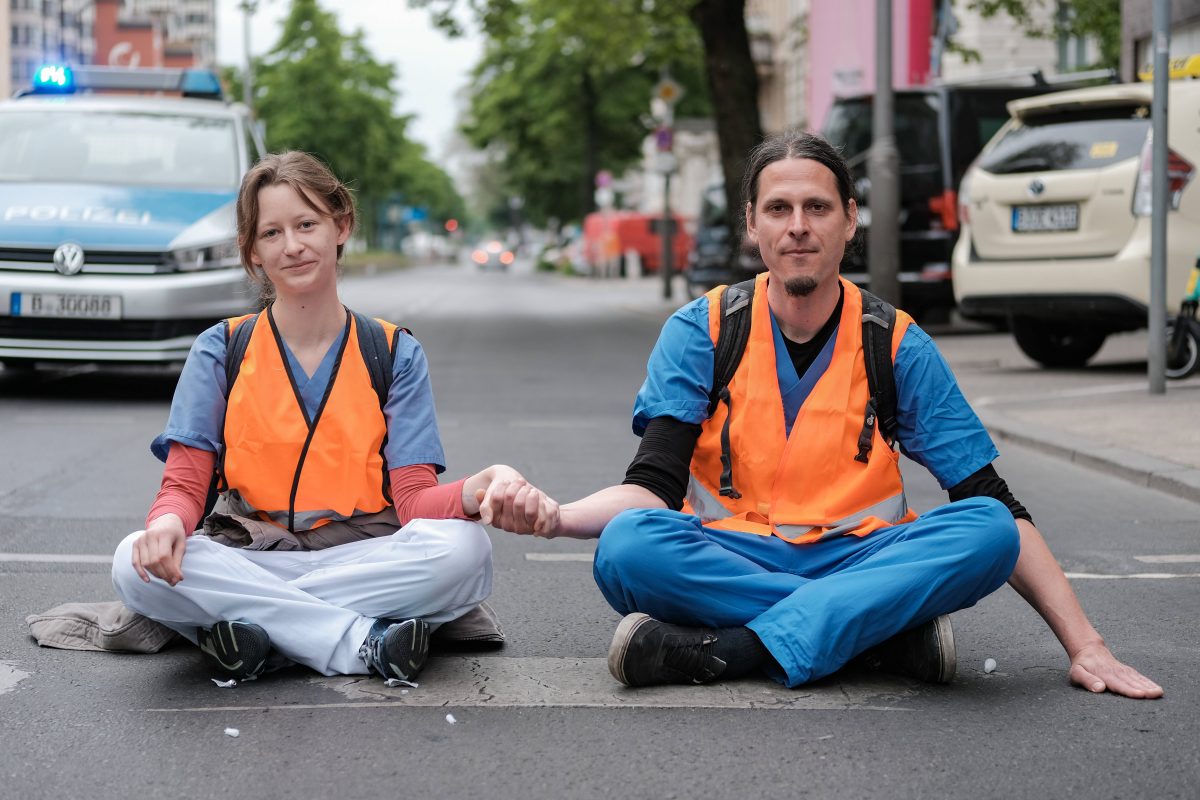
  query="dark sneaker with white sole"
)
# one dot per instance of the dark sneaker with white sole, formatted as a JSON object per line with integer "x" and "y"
{"x": 396, "y": 649}
{"x": 925, "y": 652}
{"x": 239, "y": 650}
{"x": 645, "y": 652}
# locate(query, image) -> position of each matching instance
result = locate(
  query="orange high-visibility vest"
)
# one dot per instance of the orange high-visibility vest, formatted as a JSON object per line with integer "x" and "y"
{"x": 297, "y": 474}
{"x": 806, "y": 486}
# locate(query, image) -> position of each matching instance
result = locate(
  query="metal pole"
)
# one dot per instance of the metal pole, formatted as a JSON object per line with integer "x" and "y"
{"x": 248, "y": 8}
{"x": 668, "y": 236}
{"x": 883, "y": 239}
{"x": 1157, "y": 357}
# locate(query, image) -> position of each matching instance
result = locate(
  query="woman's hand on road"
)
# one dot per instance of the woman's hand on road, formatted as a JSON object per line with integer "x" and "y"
{"x": 1096, "y": 669}
{"x": 159, "y": 550}
{"x": 504, "y": 499}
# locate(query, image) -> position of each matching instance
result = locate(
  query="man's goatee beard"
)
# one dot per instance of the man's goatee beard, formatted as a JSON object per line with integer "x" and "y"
{"x": 801, "y": 286}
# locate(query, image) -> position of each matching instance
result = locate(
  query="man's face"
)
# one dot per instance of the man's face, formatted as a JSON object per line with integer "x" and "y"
{"x": 799, "y": 224}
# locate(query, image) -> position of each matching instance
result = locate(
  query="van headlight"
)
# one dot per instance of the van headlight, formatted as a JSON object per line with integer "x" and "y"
{"x": 214, "y": 256}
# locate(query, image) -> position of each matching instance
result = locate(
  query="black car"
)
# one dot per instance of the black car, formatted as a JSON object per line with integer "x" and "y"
{"x": 712, "y": 261}
{"x": 939, "y": 131}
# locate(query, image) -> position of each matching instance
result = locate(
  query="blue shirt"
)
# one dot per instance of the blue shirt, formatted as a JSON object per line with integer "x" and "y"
{"x": 198, "y": 407}
{"x": 937, "y": 428}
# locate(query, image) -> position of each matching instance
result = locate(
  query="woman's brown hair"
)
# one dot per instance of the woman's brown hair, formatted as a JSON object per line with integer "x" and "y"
{"x": 310, "y": 179}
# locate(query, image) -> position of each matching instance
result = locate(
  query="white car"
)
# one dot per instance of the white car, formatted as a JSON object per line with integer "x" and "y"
{"x": 117, "y": 231}
{"x": 1056, "y": 218}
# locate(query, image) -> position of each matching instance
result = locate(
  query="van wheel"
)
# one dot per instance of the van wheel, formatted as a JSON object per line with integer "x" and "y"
{"x": 1182, "y": 356}
{"x": 1056, "y": 344}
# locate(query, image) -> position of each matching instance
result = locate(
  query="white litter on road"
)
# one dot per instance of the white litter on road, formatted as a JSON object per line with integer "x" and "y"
{"x": 450, "y": 718}
{"x": 989, "y": 666}
{"x": 10, "y": 676}
{"x": 234, "y": 732}
{"x": 229, "y": 684}
{"x": 392, "y": 683}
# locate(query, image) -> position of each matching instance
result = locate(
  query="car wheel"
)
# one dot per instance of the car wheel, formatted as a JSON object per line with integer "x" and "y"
{"x": 1182, "y": 356}
{"x": 1056, "y": 344}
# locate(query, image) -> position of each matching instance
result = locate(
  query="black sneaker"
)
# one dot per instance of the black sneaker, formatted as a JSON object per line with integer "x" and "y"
{"x": 238, "y": 649}
{"x": 925, "y": 652}
{"x": 396, "y": 649}
{"x": 645, "y": 652}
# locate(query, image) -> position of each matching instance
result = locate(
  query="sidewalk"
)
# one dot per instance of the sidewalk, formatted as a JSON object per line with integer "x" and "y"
{"x": 1151, "y": 440}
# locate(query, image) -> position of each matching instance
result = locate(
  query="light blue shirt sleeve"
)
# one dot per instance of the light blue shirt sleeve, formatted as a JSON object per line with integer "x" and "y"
{"x": 679, "y": 372}
{"x": 937, "y": 428}
{"x": 413, "y": 436}
{"x": 198, "y": 406}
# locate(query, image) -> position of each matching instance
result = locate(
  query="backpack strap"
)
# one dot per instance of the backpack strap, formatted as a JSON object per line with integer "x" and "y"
{"x": 878, "y": 325}
{"x": 377, "y": 353}
{"x": 737, "y": 302}
{"x": 236, "y": 342}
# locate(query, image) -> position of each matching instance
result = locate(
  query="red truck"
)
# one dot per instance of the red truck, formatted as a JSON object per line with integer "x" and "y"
{"x": 608, "y": 235}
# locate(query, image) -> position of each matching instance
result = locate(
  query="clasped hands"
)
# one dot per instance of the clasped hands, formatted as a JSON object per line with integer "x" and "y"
{"x": 504, "y": 499}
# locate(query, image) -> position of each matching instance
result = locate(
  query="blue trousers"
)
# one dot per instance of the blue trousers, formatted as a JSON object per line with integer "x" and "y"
{"x": 814, "y": 606}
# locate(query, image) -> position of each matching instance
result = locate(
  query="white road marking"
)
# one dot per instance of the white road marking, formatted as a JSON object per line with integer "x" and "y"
{"x": 453, "y": 682}
{"x": 1132, "y": 576}
{"x": 587, "y": 557}
{"x": 55, "y": 558}
{"x": 1186, "y": 558}
{"x": 10, "y": 676}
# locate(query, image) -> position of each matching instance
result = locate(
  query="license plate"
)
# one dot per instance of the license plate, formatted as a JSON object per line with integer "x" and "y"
{"x": 1032, "y": 219}
{"x": 78, "y": 306}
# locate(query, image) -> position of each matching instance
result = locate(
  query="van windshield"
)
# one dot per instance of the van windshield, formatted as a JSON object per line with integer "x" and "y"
{"x": 1087, "y": 139}
{"x": 916, "y": 128}
{"x": 125, "y": 148}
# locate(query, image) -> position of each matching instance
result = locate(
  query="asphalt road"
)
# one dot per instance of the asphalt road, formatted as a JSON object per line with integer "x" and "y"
{"x": 539, "y": 372}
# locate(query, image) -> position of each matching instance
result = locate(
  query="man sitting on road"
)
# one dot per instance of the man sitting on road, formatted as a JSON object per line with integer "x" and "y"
{"x": 777, "y": 543}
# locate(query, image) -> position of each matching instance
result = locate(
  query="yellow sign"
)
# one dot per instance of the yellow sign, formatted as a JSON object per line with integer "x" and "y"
{"x": 668, "y": 91}
{"x": 1103, "y": 150}
{"x": 1181, "y": 67}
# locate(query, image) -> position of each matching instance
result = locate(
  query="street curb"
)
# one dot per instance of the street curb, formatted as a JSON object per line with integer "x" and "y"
{"x": 1174, "y": 479}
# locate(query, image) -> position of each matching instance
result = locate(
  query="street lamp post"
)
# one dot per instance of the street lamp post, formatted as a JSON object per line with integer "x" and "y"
{"x": 1157, "y": 355}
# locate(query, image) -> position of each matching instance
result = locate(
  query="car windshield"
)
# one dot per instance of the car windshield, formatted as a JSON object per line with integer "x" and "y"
{"x": 1087, "y": 139}
{"x": 916, "y": 129}
{"x": 125, "y": 148}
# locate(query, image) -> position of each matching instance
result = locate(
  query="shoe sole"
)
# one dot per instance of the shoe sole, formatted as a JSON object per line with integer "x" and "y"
{"x": 226, "y": 636}
{"x": 419, "y": 630}
{"x": 949, "y": 660}
{"x": 621, "y": 640}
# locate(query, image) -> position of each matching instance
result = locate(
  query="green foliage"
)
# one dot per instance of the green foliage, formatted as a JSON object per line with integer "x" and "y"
{"x": 563, "y": 89}
{"x": 1099, "y": 19}
{"x": 322, "y": 91}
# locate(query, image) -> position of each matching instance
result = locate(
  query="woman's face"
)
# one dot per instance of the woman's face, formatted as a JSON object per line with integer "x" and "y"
{"x": 295, "y": 245}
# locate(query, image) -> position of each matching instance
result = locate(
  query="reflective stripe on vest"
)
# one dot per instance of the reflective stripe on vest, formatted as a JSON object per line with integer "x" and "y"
{"x": 806, "y": 486}
{"x": 282, "y": 468}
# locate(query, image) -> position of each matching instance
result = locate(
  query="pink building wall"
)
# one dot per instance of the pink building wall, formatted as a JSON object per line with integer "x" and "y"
{"x": 841, "y": 41}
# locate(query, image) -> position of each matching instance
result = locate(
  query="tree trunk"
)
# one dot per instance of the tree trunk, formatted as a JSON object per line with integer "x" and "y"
{"x": 733, "y": 87}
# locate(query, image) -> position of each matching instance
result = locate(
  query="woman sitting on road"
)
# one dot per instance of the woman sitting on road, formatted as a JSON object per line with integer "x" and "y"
{"x": 339, "y": 550}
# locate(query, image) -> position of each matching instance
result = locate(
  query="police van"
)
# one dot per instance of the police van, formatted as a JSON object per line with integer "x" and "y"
{"x": 117, "y": 230}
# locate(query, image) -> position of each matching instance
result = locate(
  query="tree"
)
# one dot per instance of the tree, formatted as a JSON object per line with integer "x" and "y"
{"x": 322, "y": 91}
{"x": 564, "y": 86}
{"x": 1098, "y": 19}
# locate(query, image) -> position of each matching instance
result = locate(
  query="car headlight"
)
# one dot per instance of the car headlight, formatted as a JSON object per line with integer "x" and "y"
{"x": 215, "y": 256}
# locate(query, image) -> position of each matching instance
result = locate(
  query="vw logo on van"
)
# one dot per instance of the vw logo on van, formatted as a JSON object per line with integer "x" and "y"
{"x": 1036, "y": 187}
{"x": 68, "y": 258}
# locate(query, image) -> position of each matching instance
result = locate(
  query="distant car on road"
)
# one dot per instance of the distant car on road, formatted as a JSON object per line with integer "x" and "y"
{"x": 1056, "y": 218}
{"x": 493, "y": 255}
{"x": 117, "y": 233}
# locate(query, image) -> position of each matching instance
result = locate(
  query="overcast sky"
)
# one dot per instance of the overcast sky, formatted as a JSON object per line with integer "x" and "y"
{"x": 431, "y": 66}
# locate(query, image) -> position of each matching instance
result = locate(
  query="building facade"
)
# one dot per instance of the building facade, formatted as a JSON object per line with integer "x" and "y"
{"x": 1137, "y": 23}
{"x": 41, "y": 31}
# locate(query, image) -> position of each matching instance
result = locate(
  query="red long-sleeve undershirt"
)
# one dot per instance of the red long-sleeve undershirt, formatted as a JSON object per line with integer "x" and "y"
{"x": 188, "y": 473}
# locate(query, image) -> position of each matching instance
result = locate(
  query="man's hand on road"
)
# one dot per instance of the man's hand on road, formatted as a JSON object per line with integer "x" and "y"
{"x": 159, "y": 550}
{"x": 1096, "y": 669}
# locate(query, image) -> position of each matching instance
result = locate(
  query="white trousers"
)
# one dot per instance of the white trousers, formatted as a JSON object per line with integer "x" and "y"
{"x": 318, "y": 605}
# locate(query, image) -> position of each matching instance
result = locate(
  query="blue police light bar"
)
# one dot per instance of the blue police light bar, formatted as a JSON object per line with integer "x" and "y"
{"x": 54, "y": 79}
{"x": 61, "y": 79}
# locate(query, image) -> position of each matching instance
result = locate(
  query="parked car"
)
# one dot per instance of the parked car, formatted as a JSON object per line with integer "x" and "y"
{"x": 939, "y": 131}
{"x": 117, "y": 240}
{"x": 713, "y": 259}
{"x": 1056, "y": 218}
